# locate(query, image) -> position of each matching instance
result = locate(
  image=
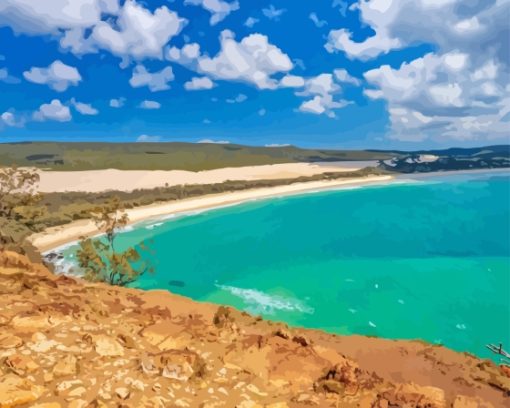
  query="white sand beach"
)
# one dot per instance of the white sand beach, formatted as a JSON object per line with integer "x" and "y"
{"x": 129, "y": 180}
{"x": 54, "y": 237}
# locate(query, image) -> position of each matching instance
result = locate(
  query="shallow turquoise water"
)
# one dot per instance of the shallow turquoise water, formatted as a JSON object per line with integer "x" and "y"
{"x": 429, "y": 259}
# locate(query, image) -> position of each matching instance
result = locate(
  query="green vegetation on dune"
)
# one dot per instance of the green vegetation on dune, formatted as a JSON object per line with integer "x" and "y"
{"x": 165, "y": 156}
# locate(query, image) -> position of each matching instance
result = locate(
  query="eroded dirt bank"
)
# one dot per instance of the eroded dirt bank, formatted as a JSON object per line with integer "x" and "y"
{"x": 67, "y": 343}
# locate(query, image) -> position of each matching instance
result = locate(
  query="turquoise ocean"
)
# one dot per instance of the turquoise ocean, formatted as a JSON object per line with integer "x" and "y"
{"x": 427, "y": 259}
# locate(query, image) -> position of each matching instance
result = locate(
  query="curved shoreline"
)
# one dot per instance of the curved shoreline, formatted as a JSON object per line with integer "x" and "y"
{"x": 56, "y": 237}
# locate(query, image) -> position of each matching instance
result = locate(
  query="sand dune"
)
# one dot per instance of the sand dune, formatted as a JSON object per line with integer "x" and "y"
{"x": 128, "y": 180}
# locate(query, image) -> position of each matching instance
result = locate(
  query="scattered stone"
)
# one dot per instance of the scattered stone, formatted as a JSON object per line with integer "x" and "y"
{"x": 41, "y": 344}
{"x": 249, "y": 404}
{"x": 107, "y": 347}
{"x": 66, "y": 366}
{"x": 77, "y": 403}
{"x": 182, "y": 403}
{"x": 223, "y": 317}
{"x": 254, "y": 389}
{"x": 64, "y": 386}
{"x": 147, "y": 365}
{"x": 302, "y": 340}
{"x": 20, "y": 364}
{"x": 462, "y": 401}
{"x": 127, "y": 341}
{"x": 16, "y": 391}
{"x": 122, "y": 393}
{"x": 8, "y": 341}
{"x": 281, "y": 332}
{"x": 180, "y": 365}
{"x": 47, "y": 405}
{"x": 77, "y": 392}
{"x": 48, "y": 377}
{"x": 30, "y": 322}
{"x": 307, "y": 399}
{"x": 277, "y": 405}
{"x": 413, "y": 395}
{"x": 341, "y": 379}
{"x": 505, "y": 370}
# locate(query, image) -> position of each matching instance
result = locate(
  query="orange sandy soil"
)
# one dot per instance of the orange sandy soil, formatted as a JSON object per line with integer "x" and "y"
{"x": 68, "y": 343}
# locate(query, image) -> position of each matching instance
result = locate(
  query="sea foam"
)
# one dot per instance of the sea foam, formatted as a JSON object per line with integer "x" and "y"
{"x": 260, "y": 302}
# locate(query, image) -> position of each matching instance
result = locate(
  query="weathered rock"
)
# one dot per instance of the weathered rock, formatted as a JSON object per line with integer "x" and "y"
{"x": 283, "y": 333}
{"x": 302, "y": 340}
{"x": 126, "y": 341}
{"x": 65, "y": 366}
{"x": 223, "y": 317}
{"x": 307, "y": 399}
{"x": 505, "y": 370}
{"x": 77, "y": 403}
{"x": 16, "y": 391}
{"x": 8, "y": 340}
{"x": 249, "y": 404}
{"x": 21, "y": 364}
{"x": 47, "y": 405}
{"x": 31, "y": 322}
{"x": 41, "y": 344}
{"x": 64, "y": 387}
{"x": 277, "y": 405}
{"x": 76, "y": 392}
{"x": 341, "y": 379}
{"x": 122, "y": 392}
{"x": 179, "y": 365}
{"x": 463, "y": 401}
{"x": 107, "y": 347}
{"x": 413, "y": 395}
{"x": 492, "y": 375}
{"x": 147, "y": 365}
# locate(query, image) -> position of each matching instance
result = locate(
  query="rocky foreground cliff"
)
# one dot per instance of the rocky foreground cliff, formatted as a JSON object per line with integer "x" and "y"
{"x": 67, "y": 343}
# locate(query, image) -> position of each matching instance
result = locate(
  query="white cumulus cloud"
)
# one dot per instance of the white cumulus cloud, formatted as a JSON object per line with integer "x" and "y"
{"x": 238, "y": 99}
{"x": 84, "y": 108}
{"x": 8, "y": 78}
{"x": 54, "y": 110}
{"x": 42, "y": 17}
{"x": 137, "y": 33}
{"x": 459, "y": 91}
{"x": 322, "y": 90}
{"x": 147, "y": 104}
{"x": 117, "y": 102}
{"x": 198, "y": 83}
{"x": 273, "y": 13}
{"x": 317, "y": 21}
{"x": 292, "y": 81}
{"x": 342, "y": 75}
{"x": 57, "y": 76}
{"x": 156, "y": 81}
{"x": 252, "y": 60}
{"x": 219, "y": 9}
{"x": 251, "y": 21}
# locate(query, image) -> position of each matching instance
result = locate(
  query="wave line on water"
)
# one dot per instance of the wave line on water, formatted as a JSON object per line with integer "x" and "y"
{"x": 261, "y": 302}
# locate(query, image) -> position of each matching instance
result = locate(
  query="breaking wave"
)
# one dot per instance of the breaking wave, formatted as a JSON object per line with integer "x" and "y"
{"x": 259, "y": 302}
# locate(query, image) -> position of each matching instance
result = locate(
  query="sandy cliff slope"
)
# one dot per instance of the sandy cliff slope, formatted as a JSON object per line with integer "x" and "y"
{"x": 67, "y": 343}
{"x": 129, "y": 180}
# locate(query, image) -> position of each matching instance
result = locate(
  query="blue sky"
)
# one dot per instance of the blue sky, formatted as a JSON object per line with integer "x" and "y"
{"x": 331, "y": 73}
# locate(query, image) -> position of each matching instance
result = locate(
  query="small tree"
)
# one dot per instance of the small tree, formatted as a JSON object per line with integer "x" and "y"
{"x": 100, "y": 260}
{"x": 18, "y": 188}
{"x": 18, "y": 209}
